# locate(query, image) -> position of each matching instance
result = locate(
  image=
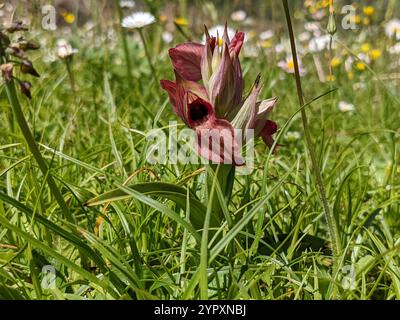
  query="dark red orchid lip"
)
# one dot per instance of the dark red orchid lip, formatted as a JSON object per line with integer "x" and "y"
{"x": 199, "y": 110}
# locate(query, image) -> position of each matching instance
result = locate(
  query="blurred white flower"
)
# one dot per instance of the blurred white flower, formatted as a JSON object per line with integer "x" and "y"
{"x": 251, "y": 51}
{"x": 313, "y": 27}
{"x": 346, "y": 107}
{"x": 127, "y": 4}
{"x": 364, "y": 57}
{"x": 279, "y": 48}
{"x": 392, "y": 29}
{"x": 238, "y": 16}
{"x": 64, "y": 49}
{"x": 348, "y": 63}
{"x": 266, "y": 35}
{"x": 138, "y": 20}
{"x": 167, "y": 37}
{"x": 287, "y": 65}
{"x": 292, "y": 136}
{"x": 319, "y": 44}
{"x": 319, "y": 15}
{"x": 395, "y": 49}
{"x": 304, "y": 36}
{"x": 249, "y": 22}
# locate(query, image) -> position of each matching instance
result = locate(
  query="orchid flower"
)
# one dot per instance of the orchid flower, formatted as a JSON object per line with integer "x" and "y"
{"x": 217, "y": 104}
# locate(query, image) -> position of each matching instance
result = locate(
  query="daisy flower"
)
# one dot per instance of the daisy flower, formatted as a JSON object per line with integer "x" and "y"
{"x": 392, "y": 29}
{"x": 238, "y": 16}
{"x": 64, "y": 49}
{"x": 127, "y": 4}
{"x": 138, "y": 20}
{"x": 266, "y": 35}
{"x": 346, "y": 107}
{"x": 287, "y": 65}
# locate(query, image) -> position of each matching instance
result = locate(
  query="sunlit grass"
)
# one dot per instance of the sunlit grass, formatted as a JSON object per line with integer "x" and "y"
{"x": 139, "y": 227}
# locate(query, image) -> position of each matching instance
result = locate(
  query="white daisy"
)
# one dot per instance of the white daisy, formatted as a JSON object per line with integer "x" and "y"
{"x": 138, "y": 20}
{"x": 313, "y": 27}
{"x": 319, "y": 44}
{"x": 64, "y": 49}
{"x": 127, "y": 4}
{"x": 167, "y": 37}
{"x": 346, "y": 107}
{"x": 238, "y": 16}
{"x": 292, "y": 136}
{"x": 266, "y": 35}
{"x": 395, "y": 49}
{"x": 287, "y": 65}
{"x": 304, "y": 36}
{"x": 392, "y": 29}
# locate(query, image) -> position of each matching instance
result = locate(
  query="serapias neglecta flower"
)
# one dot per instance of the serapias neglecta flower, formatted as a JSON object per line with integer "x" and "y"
{"x": 207, "y": 95}
{"x": 138, "y": 20}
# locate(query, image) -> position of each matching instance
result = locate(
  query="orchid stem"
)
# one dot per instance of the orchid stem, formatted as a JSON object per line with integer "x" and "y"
{"x": 330, "y": 219}
{"x": 146, "y": 50}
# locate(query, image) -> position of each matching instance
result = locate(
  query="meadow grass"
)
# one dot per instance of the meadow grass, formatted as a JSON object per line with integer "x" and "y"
{"x": 143, "y": 231}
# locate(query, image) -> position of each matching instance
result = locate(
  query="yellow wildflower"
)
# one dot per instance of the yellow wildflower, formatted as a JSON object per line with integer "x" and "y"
{"x": 330, "y": 78}
{"x": 365, "y": 47}
{"x": 335, "y": 62}
{"x": 375, "y": 54}
{"x": 361, "y": 66}
{"x": 181, "y": 22}
{"x": 369, "y": 11}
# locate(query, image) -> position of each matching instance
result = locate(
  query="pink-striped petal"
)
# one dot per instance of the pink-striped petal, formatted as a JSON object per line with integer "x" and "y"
{"x": 186, "y": 59}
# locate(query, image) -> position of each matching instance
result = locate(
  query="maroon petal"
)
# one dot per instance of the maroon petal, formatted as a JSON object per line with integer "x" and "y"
{"x": 236, "y": 44}
{"x": 180, "y": 91}
{"x": 186, "y": 59}
{"x": 269, "y": 129}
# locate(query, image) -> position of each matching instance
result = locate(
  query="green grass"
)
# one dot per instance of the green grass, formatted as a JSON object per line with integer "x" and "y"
{"x": 146, "y": 231}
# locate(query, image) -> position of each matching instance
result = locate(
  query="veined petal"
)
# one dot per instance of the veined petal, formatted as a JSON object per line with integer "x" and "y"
{"x": 186, "y": 59}
{"x": 174, "y": 97}
{"x": 264, "y": 107}
{"x": 216, "y": 141}
{"x": 207, "y": 58}
{"x": 222, "y": 85}
{"x": 246, "y": 116}
{"x": 183, "y": 91}
{"x": 236, "y": 44}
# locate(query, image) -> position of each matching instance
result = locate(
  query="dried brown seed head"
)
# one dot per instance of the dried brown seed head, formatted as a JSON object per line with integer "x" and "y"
{"x": 7, "y": 71}
{"x": 27, "y": 67}
{"x": 25, "y": 87}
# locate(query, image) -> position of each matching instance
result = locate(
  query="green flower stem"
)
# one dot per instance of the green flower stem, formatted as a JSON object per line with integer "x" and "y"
{"x": 146, "y": 50}
{"x": 330, "y": 219}
{"x": 22, "y": 123}
{"x": 125, "y": 45}
{"x": 68, "y": 64}
{"x": 226, "y": 178}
